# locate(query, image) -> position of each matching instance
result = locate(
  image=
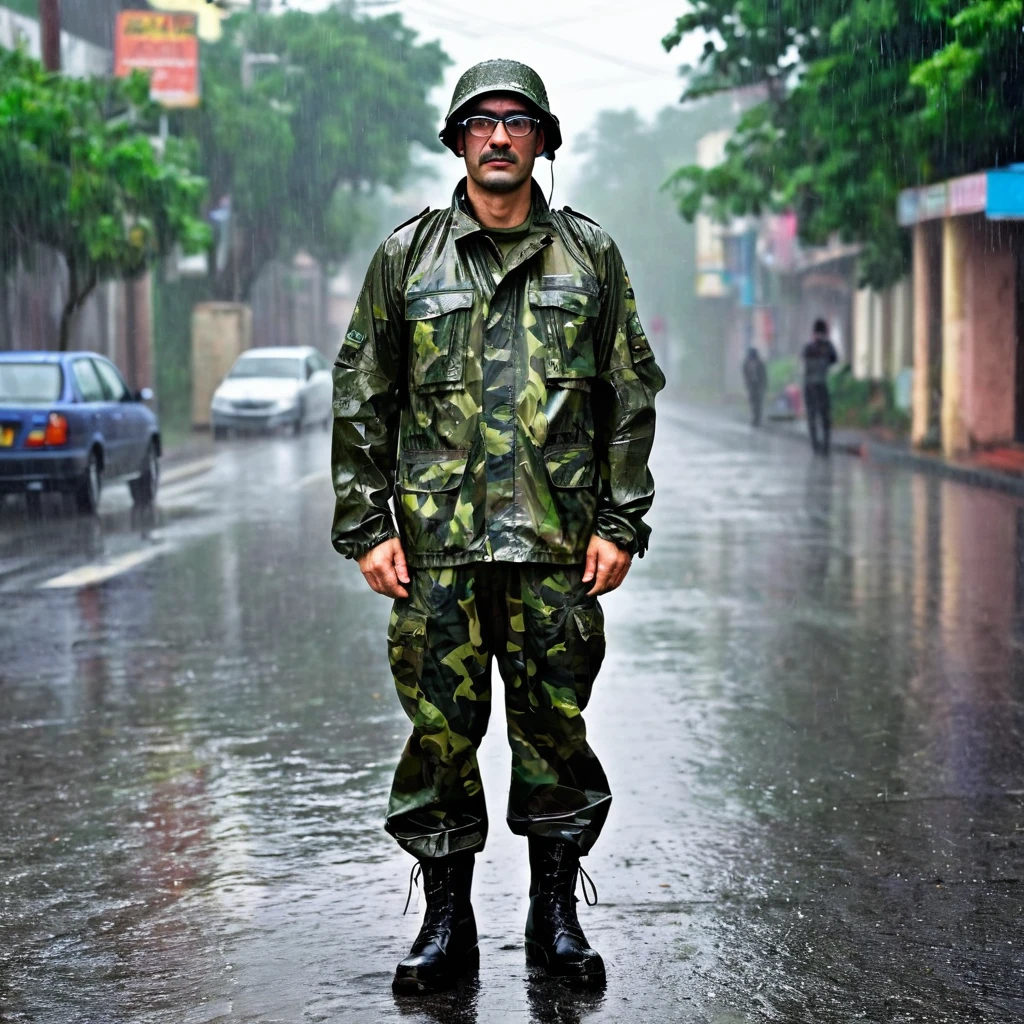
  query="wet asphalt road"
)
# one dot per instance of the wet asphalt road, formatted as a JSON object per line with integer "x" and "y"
{"x": 811, "y": 716}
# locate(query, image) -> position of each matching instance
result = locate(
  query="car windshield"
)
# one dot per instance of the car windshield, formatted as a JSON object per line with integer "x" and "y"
{"x": 267, "y": 366}
{"x": 30, "y": 383}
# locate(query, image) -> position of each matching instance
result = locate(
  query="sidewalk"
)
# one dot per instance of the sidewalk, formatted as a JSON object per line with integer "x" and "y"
{"x": 998, "y": 469}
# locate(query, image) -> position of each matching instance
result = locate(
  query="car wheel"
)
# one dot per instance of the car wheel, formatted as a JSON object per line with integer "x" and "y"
{"x": 144, "y": 488}
{"x": 220, "y": 433}
{"x": 297, "y": 425}
{"x": 90, "y": 487}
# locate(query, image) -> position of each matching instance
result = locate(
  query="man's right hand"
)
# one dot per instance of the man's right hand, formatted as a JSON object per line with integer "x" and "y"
{"x": 385, "y": 570}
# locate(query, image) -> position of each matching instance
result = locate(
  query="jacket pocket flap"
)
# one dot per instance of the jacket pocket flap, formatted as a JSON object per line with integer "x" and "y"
{"x": 427, "y": 305}
{"x": 570, "y": 465}
{"x": 430, "y": 472}
{"x": 578, "y": 301}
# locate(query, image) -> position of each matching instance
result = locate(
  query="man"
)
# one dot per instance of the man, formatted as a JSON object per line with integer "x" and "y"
{"x": 497, "y": 383}
{"x": 755, "y": 376}
{"x": 819, "y": 356}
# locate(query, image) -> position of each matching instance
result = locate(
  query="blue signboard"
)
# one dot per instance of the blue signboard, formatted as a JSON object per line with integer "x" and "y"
{"x": 1005, "y": 199}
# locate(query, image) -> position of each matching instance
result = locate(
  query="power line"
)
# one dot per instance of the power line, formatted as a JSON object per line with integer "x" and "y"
{"x": 457, "y": 19}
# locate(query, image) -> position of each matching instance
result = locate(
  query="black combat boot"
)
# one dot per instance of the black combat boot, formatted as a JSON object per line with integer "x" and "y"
{"x": 554, "y": 938}
{"x": 446, "y": 946}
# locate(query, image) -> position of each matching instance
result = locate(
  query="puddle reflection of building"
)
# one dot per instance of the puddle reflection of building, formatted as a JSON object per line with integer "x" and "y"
{"x": 972, "y": 686}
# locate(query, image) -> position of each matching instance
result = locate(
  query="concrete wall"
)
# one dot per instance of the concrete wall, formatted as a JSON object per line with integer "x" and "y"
{"x": 882, "y": 332}
{"x": 31, "y": 300}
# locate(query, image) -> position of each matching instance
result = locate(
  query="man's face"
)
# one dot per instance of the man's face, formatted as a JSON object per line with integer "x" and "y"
{"x": 502, "y": 162}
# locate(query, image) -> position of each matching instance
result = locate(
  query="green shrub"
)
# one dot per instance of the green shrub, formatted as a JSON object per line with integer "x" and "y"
{"x": 782, "y": 371}
{"x": 865, "y": 403}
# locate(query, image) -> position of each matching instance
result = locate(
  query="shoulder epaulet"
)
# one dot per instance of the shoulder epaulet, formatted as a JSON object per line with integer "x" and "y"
{"x": 406, "y": 223}
{"x": 582, "y": 216}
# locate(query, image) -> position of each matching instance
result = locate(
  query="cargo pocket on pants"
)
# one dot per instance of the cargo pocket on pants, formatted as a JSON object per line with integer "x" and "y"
{"x": 587, "y": 643}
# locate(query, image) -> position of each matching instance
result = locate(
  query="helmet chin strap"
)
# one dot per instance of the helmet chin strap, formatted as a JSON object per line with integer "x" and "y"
{"x": 552, "y": 192}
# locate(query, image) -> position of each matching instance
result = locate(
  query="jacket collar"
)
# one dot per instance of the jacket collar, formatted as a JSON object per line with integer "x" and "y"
{"x": 463, "y": 222}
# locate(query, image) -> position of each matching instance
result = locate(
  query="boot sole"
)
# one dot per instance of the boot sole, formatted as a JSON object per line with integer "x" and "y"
{"x": 411, "y": 985}
{"x": 536, "y": 957}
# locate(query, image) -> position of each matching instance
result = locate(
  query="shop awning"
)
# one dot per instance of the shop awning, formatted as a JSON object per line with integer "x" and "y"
{"x": 998, "y": 194}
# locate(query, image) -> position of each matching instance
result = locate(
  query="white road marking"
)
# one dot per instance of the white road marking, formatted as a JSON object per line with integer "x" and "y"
{"x": 100, "y": 572}
{"x": 169, "y": 476}
{"x": 309, "y": 478}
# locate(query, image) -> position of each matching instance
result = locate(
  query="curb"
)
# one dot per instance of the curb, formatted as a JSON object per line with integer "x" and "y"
{"x": 878, "y": 451}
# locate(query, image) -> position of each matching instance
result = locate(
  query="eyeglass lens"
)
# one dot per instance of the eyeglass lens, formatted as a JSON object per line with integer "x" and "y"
{"x": 483, "y": 127}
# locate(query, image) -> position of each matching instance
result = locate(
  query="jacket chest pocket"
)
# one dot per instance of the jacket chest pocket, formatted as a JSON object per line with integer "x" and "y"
{"x": 567, "y": 314}
{"x": 438, "y": 323}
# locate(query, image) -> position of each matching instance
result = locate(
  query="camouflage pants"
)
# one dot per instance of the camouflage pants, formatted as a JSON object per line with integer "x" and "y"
{"x": 548, "y": 639}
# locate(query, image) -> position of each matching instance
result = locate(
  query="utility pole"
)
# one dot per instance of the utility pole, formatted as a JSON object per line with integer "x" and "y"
{"x": 49, "y": 30}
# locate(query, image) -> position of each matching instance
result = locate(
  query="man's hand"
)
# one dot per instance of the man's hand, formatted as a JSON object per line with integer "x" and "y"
{"x": 607, "y": 564}
{"x": 385, "y": 570}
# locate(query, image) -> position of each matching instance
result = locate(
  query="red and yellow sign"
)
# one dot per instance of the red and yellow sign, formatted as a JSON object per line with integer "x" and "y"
{"x": 166, "y": 47}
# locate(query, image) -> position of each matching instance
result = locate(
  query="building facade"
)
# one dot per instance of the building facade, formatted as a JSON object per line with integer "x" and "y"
{"x": 967, "y": 310}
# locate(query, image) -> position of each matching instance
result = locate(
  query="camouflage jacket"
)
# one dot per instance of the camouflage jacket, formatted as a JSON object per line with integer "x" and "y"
{"x": 506, "y": 405}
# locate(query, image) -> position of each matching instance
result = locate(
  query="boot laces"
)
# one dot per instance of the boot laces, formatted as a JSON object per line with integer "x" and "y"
{"x": 576, "y": 872}
{"x": 584, "y": 878}
{"x": 414, "y": 878}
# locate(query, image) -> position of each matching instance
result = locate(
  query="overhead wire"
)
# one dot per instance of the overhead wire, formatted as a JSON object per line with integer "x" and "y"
{"x": 457, "y": 22}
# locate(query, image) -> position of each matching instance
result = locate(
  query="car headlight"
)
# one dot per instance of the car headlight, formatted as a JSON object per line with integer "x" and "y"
{"x": 285, "y": 404}
{"x": 221, "y": 403}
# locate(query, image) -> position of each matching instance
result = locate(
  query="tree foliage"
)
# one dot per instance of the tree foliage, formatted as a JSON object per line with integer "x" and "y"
{"x": 626, "y": 161}
{"x": 326, "y": 110}
{"x": 80, "y": 174}
{"x": 862, "y": 98}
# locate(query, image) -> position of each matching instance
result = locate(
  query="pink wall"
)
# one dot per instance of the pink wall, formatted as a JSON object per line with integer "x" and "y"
{"x": 990, "y": 342}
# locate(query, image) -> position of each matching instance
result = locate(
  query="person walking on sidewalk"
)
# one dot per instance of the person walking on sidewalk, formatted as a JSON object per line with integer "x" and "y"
{"x": 819, "y": 356}
{"x": 755, "y": 377}
{"x": 497, "y": 383}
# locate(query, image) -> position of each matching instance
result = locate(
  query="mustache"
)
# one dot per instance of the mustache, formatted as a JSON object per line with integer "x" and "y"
{"x": 502, "y": 155}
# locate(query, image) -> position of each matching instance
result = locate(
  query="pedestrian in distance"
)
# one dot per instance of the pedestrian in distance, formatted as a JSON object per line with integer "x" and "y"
{"x": 495, "y": 382}
{"x": 755, "y": 377}
{"x": 819, "y": 356}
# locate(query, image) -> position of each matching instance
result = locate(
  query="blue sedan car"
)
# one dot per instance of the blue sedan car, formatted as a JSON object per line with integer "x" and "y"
{"x": 69, "y": 423}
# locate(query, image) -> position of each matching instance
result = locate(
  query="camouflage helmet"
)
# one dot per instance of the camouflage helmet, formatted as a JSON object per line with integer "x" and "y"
{"x": 502, "y": 76}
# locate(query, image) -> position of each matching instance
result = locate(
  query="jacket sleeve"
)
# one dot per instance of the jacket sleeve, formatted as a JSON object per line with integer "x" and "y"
{"x": 368, "y": 381}
{"x": 628, "y": 380}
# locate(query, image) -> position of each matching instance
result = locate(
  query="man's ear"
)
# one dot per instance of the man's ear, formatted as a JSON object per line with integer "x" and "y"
{"x": 460, "y": 142}
{"x": 540, "y": 141}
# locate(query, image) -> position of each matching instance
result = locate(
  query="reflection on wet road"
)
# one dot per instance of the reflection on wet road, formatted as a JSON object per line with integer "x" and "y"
{"x": 811, "y": 717}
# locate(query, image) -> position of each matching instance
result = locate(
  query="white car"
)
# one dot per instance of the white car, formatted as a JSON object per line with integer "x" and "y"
{"x": 274, "y": 387}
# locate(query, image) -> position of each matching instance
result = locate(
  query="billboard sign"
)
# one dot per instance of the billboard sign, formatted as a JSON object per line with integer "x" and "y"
{"x": 166, "y": 47}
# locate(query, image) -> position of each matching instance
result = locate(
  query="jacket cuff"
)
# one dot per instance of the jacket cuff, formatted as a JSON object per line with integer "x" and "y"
{"x": 631, "y": 537}
{"x": 357, "y": 548}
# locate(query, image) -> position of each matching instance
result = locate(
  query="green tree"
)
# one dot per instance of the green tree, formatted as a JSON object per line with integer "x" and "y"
{"x": 81, "y": 176}
{"x": 862, "y": 98}
{"x": 627, "y": 160}
{"x": 303, "y": 115}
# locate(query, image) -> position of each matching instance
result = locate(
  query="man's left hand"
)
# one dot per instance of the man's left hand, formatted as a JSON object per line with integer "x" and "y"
{"x": 607, "y": 565}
